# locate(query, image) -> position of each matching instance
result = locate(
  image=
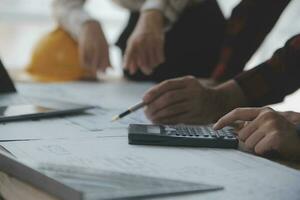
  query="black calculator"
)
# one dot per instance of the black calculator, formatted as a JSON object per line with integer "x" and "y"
{"x": 182, "y": 135}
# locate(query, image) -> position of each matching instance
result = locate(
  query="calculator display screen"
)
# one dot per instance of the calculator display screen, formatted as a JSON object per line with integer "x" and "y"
{"x": 153, "y": 129}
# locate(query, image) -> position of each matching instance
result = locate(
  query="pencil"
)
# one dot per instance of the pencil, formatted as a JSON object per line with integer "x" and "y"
{"x": 128, "y": 111}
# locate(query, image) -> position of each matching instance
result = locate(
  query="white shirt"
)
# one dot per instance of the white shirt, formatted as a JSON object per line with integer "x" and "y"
{"x": 71, "y": 15}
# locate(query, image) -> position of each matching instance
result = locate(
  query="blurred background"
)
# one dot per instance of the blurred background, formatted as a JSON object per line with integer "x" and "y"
{"x": 24, "y": 22}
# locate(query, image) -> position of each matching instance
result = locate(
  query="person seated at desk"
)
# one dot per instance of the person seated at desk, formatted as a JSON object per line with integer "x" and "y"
{"x": 162, "y": 36}
{"x": 185, "y": 100}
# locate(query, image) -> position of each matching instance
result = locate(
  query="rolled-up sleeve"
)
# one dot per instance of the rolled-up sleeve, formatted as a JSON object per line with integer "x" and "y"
{"x": 171, "y": 9}
{"x": 70, "y": 15}
{"x": 274, "y": 79}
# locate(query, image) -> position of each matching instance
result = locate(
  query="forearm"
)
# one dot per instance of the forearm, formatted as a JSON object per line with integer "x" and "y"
{"x": 272, "y": 80}
{"x": 70, "y": 15}
{"x": 247, "y": 27}
{"x": 229, "y": 95}
{"x": 152, "y": 19}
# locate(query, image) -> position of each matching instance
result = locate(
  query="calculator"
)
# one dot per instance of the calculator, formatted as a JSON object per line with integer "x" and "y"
{"x": 182, "y": 135}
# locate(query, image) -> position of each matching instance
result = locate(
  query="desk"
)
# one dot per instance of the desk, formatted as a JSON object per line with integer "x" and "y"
{"x": 244, "y": 176}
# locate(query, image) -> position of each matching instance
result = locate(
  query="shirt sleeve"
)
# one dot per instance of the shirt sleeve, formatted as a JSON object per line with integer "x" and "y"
{"x": 249, "y": 24}
{"x": 171, "y": 9}
{"x": 272, "y": 80}
{"x": 70, "y": 15}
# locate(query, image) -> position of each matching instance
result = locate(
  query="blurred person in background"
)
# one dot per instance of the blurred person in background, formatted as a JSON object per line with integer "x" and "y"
{"x": 171, "y": 38}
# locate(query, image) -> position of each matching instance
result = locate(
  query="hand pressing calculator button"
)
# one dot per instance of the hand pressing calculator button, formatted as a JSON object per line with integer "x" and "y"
{"x": 182, "y": 135}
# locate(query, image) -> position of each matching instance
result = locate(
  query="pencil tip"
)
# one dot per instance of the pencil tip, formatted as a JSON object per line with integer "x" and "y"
{"x": 115, "y": 118}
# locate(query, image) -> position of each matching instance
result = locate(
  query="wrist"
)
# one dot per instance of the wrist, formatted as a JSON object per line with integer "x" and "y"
{"x": 154, "y": 18}
{"x": 90, "y": 24}
{"x": 230, "y": 95}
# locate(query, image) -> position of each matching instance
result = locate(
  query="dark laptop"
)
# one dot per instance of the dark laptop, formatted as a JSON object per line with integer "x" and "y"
{"x": 14, "y": 106}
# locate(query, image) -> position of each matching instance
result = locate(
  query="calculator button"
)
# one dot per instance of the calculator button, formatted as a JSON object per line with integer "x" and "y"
{"x": 183, "y": 133}
{"x": 217, "y": 134}
{"x": 206, "y": 134}
{"x": 170, "y": 132}
{"x": 213, "y": 134}
{"x": 221, "y": 135}
{"x": 194, "y": 132}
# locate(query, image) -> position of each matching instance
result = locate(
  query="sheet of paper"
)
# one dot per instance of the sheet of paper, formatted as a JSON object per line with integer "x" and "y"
{"x": 242, "y": 175}
{"x": 100, "y": 119}
{"x": 112, "y": 99}
{"x": 102, "y": 184}
{"x": 69, "y": 182}
{"x": 43, "y": 129}
{"x": 94, "y": 123}
{"x": 113, "y": 95}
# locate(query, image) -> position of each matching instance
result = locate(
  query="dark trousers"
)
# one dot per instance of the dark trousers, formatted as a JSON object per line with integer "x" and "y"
{"x": 192, "y": 45}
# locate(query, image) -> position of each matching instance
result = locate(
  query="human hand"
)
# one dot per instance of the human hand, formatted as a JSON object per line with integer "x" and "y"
{"x": 93, "y": 48}
{"x": 266, "y": 130}
{"x": 292, "y": 117}
{"x": 185, "y": 100}
{"x": 145, "y": 46}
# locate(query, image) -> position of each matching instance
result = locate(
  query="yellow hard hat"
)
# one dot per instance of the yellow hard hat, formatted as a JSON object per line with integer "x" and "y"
{"x": 56, "y": 58}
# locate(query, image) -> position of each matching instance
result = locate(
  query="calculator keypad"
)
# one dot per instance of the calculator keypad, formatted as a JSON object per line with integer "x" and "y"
{"x": 199, "y": 131}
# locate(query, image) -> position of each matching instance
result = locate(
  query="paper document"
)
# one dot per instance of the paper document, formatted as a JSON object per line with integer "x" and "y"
{"x": 100, "y": 119}
{"x": 81, "y": 183}
{"x": 111, "y": 99}
{"x": 93, "y": 123}
{"x": 241, "y": 174}
{"x": 98, "y": 184}
{"x": 113, "y": 95}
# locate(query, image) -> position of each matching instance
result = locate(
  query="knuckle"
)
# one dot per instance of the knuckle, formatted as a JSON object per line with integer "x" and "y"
{"x": 268, "y": 114}
{"x": 190, "y": 79}
{"x": 267, "y": 109}
{"x": 236, "y": 111}
{"x": 166, "y": 82}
